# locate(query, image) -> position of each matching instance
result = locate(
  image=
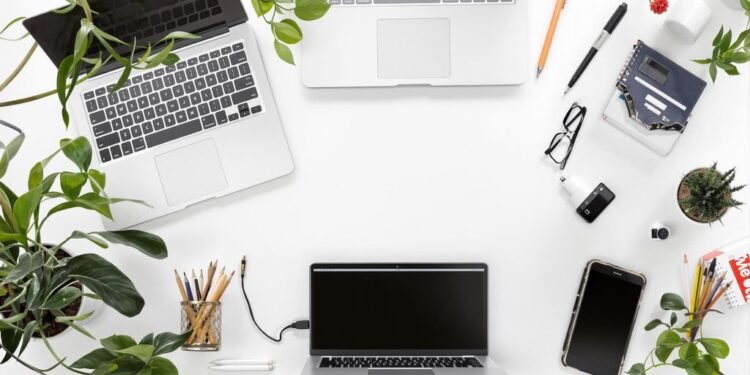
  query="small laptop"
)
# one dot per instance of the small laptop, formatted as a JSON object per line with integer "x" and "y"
{"x": 417, "y": 42}
{"x": 174, "y": 136}
{"x": 399, "y": 319}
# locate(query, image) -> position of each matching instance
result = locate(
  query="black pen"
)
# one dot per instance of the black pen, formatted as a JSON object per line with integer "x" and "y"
{"x": 608, "y": 29}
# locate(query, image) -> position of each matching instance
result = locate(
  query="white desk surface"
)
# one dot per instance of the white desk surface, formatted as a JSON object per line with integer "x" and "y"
{"x": 435, "y": 175}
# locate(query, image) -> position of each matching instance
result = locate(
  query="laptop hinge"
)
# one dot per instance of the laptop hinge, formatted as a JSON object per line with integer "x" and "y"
{"x": 205, "y": 34}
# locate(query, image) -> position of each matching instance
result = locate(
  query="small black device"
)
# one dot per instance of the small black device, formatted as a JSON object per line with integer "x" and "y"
{"x": 603, "y": 317}
{"x": 589, "y": 203}
{"x": 660, "y": 232}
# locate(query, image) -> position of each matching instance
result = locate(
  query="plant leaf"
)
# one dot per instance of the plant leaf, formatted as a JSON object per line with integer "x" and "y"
{"x": 681, "y": 363}
{"x": 147, "y": 243}
{"x": 62, "y": 298}
{"x": 288, "y": 31}
{"x": 283, "y": 51}
{"x": 261, "y": 7}
{"x": 663, "y": 353}
{"x": 715, "y": 347}
{"x": 671, "y": 301}
{"x": 28, "y": 332}
{"x": 26, "y": 264}
{"x": 689, "y": 352}
{"x": 78, "y": 151}
{"x": 142, "y": 352}
{"x": 669, "y": 339}
{"x": 163, "y": 366}
{"x": 107, "y": 282}
{"x": 96, "y": 240}
{"x": 117, "y": 342}
{"x": 180, "y": 35}
{"x": 94, "y": 359}
{"x": 637, "y": 369}
{"x": 310, "y": 10}
{"x": 168, "y": 342}
{"x": 72, "y": 183}
{"x": 653, "y": 324}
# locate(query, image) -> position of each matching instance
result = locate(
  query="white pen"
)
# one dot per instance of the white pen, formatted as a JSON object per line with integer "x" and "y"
{"x": 241, "y": 368}
{"x": 242, "y": 362}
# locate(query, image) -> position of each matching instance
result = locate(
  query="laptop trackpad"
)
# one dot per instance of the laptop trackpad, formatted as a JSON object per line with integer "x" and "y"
{"x": 191, "y": 172}
{"x": 414, "y": 48}
{"x": 401, "y": 372}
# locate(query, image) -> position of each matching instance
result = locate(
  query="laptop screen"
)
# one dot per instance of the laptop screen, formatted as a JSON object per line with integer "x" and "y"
{"x": 143, "y": 21}
{"x": 398, "y": 309}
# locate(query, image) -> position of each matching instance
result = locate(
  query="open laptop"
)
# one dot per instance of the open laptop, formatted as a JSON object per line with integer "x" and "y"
{"x": 202, "y": 128}
{"x": 399, "y": 319}
{"x": 417, "y": 42}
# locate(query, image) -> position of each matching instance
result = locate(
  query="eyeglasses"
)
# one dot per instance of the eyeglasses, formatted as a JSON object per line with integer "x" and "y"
{"x": 562, "y": 143}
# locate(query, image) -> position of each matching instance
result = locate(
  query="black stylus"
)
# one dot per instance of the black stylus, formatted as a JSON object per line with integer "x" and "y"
{"x": 608, "y": 29}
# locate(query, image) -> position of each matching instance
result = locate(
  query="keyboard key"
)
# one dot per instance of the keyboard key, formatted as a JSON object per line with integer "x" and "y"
{"x": 213, "y": 66}
{"x": 224, "y": 62}
{"x": 135, "y": 131}
{"x": 107, "y": 140}
{"x": 127, "y": 148}
{"x": 208, "y": 121}
{"x": 202, "y": 69}
{"x": 226, "y": 102}
{"x": 158, "y": 124}
{"x": 153, "y": 98}
{"x": 206, "y": 95}
{"x": 148, "y": 76}
{"x": 226, "y": 50}
{"x": 161, "y": 110}
{"x": 104, "y": 155}
{"x": 195, "y": 98}
{"x": 135, "y": 91}
{"x": 132, "y": 106}
{"x": 97, "y": 117}
{"x": 203, "y": 109}
{"x": 147, "y": 127}
{"x": 142, "y": 102}
{"x": 115, "y": 151}
{"x": 100, "y": 91}
{"x": 169, "y": 120}
{"x": 228, "y": 87}
{"x": 217, "y": 91}
{"x": 170, "y": 69}
{"x": 157, "y": 84}
{"x": 102, "y": 129}
{"x": 180, "y": 116}
{"x": 91, "y": 105}
{"x": 178, "y": 91}
{"x": 146, "y": 88}
{"x": 237, "y": 46}
{"x": 138, "y": 144}
{"x": 116, "y": 124}
{"x": 203, "y": 57}
{"x": 125, "y": 134}
{"x": 238, "y": 57}
{"x": 233, "y": 117}
{"x": 234, "y": 72}
{"x": 149, "y": 113}
{"x": 113, "y": 98}
{"x": 165, "y": 95}
{"x": 110, "y": 88}
{"x": 169, "y": 80}
{"x": 159, "y": 72}
{"x": 122, "y": 109}
{"x": 243, "y": 96}
{"x": 137, "y": 80}
{"x": 138, "y": 117}
{"x": 124, "y": 95}
{"x": 189, "y": 87}
{"x": 211, "y": 80}
{"x": 180, "y": 76}
{"x": 256, "y": 109}
{"x": 244, "y": 69}
{"x": 214, "y": 105}
{"x": 184, "y": 102}
{"x": 173, "y": 105}
{"x": 244, "y": 110}
{"x": 102, "y": 102}
{"x": 181, "y": 65}
{"x": 193, "y": 61}
{"x": 172, "y": 133}
{"x": 244, "y": 82}
{"x": 127, "y": 120}
{"x": 90, "y": 94}
{"x": 200, "y": 84}
{"x": 222, "y": 76}
{"x": 215, "y": 54}
{"x": 192, "y": 113}
{"x": 221, "y": 117}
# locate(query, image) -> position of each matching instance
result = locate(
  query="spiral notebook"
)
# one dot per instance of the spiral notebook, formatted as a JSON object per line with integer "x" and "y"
{"x": 654, "y": 99}
{"x": 734, "y": 259}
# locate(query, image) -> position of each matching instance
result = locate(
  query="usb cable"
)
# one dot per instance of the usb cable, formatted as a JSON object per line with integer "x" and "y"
{"x": 300, "y": 324}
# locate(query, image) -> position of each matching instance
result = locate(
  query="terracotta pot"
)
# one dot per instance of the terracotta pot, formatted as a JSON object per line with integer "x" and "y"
{"x": 683, "y": 192}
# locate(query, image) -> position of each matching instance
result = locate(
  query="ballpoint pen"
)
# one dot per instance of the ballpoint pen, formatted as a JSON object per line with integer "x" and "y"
{"x": 550, "y": 35}
{"x": 608, "y": 29}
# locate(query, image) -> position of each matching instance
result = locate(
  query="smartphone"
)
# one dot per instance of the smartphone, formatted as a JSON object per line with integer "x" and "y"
{"x": 603, "y": 317}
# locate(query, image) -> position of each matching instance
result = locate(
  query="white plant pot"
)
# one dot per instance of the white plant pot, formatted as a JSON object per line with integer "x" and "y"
{"x": 732, "y": 4}
{"x": 687, "y": 19}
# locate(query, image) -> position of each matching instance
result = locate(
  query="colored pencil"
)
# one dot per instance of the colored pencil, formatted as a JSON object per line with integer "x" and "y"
{"x": 197, "y": 288}
{"x": 187, "y": 287}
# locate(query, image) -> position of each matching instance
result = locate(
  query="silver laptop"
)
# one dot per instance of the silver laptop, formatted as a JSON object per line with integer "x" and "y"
{"x": 399, "y": 319}
{"x": 202, "y": 128}
{"x": 417, "y": 42}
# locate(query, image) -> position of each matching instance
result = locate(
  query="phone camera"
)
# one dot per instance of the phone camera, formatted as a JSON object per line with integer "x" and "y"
{"x": 660, "y": 232}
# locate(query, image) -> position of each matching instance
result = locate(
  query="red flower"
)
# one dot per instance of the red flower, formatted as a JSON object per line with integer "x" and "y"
{"x": 659, "y": 6}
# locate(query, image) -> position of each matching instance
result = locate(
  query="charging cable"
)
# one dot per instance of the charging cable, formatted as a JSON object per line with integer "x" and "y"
{"x": 300, "y": 324}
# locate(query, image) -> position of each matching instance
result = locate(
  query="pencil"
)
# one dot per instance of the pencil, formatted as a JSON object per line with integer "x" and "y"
{"x": 685, "y": 277}
{"x": 721, "y": 293}
{"x": 550, "y": 35}
{"x": 197, "y": 288}
{"x": 186, "y": 304}
{"x": 205, "y": 314}
{"x": 211, "y": 271}
{"x": 203, "y": 284}
{"x": 187, "y": 287}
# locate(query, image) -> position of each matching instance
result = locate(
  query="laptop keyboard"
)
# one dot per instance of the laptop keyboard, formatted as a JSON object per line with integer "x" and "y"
{"x": 399, "y": 362}
{"x": 426, "y": 2}
{"x": 196, "y": 94}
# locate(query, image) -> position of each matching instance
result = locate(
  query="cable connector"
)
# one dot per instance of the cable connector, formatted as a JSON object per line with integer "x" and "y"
{"x": 301, "y": 324}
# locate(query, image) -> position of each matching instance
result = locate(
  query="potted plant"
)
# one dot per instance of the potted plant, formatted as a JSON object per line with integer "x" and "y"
{"x": 695, "y": 354}
{"x": 42, "y": 287}
{"x": 727, "y": 52}
{"x": 705, "y": 194}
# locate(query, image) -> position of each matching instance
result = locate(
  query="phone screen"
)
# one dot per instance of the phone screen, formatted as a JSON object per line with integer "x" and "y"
{"x": 608, "y": 307}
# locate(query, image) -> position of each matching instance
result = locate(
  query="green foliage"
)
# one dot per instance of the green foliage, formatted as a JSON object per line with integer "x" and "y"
{"x": 727, "y": 53}
{"x": 122, "y": 355}
{"x": 710, "y": 193}
{"x": 36, "y": 286}
{"x": 678, "y": 339}
{"x": 287, "y": 31}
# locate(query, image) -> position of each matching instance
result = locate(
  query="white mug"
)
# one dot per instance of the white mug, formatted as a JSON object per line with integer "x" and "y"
{"x": 733, "y": 4}
{"x": 687, "y": 19}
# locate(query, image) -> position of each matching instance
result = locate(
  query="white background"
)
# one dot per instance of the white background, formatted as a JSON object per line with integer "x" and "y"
{"x": 433, "y": 175}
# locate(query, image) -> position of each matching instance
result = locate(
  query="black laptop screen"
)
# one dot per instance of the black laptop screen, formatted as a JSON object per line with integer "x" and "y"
{"x": 393, "y": 310}
{"x": 143, "y": 21}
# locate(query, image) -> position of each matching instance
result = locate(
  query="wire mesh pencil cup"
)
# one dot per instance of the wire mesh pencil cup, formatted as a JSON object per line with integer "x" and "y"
{"x": 204, "y": 320}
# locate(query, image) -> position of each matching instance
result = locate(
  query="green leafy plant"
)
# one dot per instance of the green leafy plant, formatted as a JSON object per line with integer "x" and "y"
{"x": 122, "y": 354}
{"x": 695, "y": 354}
{"x": 706, "y": 193}
{"x": 88, "y": 37}
{"x": 287, "y": 31}
{"x": 39, "y": 281}
{"x": 728, "y": 53}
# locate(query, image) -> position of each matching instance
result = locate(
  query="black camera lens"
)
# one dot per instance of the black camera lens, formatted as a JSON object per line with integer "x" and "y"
{"x": 663, "y": 233}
